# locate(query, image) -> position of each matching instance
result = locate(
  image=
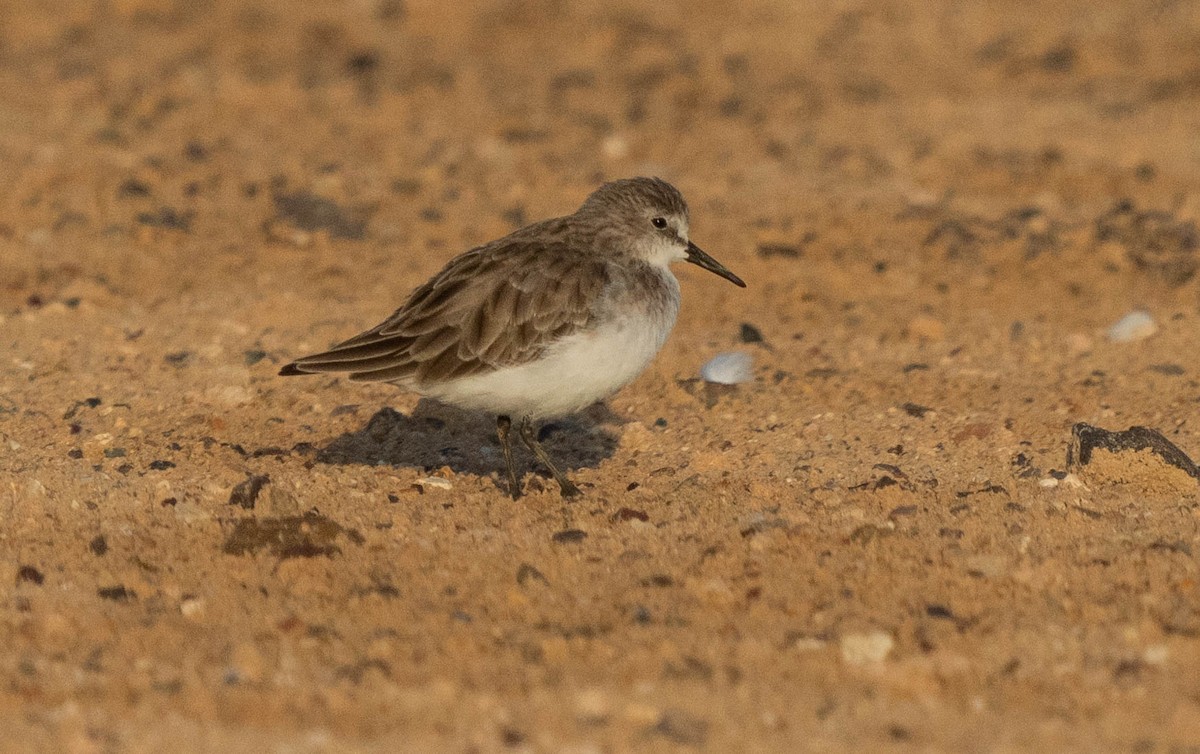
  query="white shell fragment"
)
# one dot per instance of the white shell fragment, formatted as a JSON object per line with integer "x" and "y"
{"x": 1136, "y": 325}
{"x": 729, "y": 368}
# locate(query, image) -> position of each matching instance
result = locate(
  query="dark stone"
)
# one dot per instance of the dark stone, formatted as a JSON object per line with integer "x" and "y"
{"x": 362, "y": 63}
{"x": 916, "y": 409}
{"x": 569, "y": 535}
{"x": 768, "y": 250}
{"x": 751, "y": 334}
{"x": 1171, "y": 370}
{"x": 98, "y": 545}
{"x": 1086, "y": 438}
{"x": 132, "y": 188}
{"x": 195, "y": 151}
{"x": 940, "y": 611}
{"x": 1058, "y": 59}
{"x": 659, "y": 580}
{"x": 310, "y": 212}
{"x": 116, "y": 593}
{"x": 30, "y": 575}
{"x": 629, "y": 514}
{"x": 527, "y": 573}
{"x": 245, "y": 493}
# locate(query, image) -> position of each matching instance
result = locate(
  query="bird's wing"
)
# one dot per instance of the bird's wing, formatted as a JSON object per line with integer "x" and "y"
{"x": 495, "y": 306}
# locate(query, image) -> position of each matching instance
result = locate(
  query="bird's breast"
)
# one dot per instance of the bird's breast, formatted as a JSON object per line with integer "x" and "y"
{"x": 579, "y": 369}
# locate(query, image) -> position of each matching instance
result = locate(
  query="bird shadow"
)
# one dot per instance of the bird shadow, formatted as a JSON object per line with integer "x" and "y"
{"x": 436, "y": 435}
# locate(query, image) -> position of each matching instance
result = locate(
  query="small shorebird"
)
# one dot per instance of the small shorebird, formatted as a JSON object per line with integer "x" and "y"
{"x": 542, "y": 322}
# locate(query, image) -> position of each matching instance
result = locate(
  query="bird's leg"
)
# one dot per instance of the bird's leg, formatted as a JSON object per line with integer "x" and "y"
{"x": 527, "y": 436}
{"x": 503, "y": 425}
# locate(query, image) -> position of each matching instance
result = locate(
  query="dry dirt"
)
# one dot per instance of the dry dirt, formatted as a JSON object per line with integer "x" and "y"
{"x": 940, "y": 208}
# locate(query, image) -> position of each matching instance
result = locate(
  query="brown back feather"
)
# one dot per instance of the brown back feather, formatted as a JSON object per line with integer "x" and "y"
{"x": 495, "y": 306}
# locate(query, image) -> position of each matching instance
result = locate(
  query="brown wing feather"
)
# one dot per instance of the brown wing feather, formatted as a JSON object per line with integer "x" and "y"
{"x": 495, "y": 306}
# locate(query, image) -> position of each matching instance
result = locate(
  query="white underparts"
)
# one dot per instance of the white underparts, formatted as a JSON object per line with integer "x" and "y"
{"x": 573, "y": 373}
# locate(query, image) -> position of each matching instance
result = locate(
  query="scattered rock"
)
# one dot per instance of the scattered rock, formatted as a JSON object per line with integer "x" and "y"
{"x": 751, "y": 334}
{"x": 629, "y": 514}
{"x": 1137, "y": 325}
{"x": 915, "y": 409}
{"x": 252, "y": 357}
{"x": 98, "y": 545}
{"x": 1170, "y": 370}
{"x": 132, "y": 188}
{"x": 787, "y": 251}
{"x": 569, "y": 535}
{"x": 245, "y": 493}
{"x": 311, "y": 213}
{"x": 1158, "y": 242}
{"x": 30, "y": 575}
{"x": 527, "y": 573}
{"x": 117, "y": 593}
{"x": 1138, "y": 455}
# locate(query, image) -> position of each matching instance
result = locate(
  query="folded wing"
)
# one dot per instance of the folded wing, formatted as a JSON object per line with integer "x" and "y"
{"x": 495, "y": 306}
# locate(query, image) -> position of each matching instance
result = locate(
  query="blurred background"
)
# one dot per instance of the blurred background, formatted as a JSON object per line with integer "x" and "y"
{"x": 420, "y": 126}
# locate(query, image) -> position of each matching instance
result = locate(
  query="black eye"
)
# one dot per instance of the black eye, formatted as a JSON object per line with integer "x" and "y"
{"x": 659, "y": 222}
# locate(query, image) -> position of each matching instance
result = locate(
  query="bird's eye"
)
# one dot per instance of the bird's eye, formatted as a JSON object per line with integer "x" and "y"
{"x": 659, "y": 222}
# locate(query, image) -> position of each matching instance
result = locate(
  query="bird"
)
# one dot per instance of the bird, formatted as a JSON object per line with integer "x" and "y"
{"x": 540, "y": 323}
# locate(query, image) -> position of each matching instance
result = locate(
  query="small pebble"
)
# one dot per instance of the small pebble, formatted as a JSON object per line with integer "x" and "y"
{"x": 730, "y": 368}
{"x": 1137, "y": 325}
{"x": 193, "y": 607}
{"x": 864, "y": 649}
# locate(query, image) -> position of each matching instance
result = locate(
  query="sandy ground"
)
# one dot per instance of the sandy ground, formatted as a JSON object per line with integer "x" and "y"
{"x": 940, "y": 208}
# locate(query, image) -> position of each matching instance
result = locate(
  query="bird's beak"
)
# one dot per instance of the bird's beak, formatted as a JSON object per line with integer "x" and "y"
{"x": 700, "y": 258}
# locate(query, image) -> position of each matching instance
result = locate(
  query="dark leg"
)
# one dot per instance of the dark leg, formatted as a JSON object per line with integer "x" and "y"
{"x": 527, "y": 436}
{"x": 503, "y": 425}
